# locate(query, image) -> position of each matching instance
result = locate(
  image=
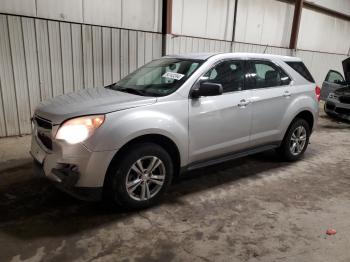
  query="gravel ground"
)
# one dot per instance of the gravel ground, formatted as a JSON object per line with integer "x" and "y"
{"x": 251, "y": 209}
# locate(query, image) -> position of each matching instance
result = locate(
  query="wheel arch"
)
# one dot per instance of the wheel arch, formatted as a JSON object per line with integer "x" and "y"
{"x": 307, "y": 116}
{"x": 303, "y": 114}
{"x": 165, "y": 142}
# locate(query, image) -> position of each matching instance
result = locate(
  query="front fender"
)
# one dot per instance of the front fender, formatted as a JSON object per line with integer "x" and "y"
{"x": 169, "y": 120}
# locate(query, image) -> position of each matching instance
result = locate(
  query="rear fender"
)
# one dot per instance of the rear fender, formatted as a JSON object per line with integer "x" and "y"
{"x": 300, "y": 104}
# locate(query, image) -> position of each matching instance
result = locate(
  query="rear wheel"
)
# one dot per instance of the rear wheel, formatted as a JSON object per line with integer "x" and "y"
{"x": 140, "y": 177}
{"x": 295, "y": 141}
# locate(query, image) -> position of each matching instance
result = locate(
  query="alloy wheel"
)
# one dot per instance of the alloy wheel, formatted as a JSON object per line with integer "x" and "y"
{"x": 298, "y": 140}
{"x": 145, "y": 178}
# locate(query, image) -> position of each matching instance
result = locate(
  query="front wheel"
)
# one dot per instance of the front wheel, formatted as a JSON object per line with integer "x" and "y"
{"x": 295, "y": 141}
{"x": 140, "y": 177}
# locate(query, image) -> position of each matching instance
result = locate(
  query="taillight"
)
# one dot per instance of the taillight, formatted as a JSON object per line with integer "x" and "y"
{"x": 318, "y": 93}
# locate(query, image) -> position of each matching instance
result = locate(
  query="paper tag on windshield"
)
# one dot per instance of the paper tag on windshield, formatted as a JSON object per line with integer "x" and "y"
{"x": 172, "y": 75}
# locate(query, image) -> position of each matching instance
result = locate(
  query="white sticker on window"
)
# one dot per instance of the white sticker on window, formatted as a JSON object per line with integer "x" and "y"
{"x": 173, "y": 75}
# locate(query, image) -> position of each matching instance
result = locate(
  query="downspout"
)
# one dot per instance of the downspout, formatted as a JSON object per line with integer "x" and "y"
{"x": 167, "y": 12}
{"x": 234, "y": 22}
{"x": 296, "y": 24}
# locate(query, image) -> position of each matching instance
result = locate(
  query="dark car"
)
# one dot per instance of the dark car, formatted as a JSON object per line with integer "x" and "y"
{"x": 336, "y": 92}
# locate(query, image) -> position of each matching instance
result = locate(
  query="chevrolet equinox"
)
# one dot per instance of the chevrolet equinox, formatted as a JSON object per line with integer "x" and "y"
{"x": 126, "y": 141}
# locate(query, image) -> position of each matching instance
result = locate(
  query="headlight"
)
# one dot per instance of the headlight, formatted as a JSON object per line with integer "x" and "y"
{"x": 79, "y": 129}
{"x": 333, "y": 96}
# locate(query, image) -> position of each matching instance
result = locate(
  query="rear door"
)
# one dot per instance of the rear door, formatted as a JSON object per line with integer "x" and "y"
{"x": 333, "y": 81}
{"x": 270, "y": 97}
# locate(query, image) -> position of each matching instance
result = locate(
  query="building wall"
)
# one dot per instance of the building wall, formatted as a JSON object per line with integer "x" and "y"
{"x": 263, "y": 22}
{"x": 40, "y": 59}
{"x": 186, "y": 44}
{"x": 267, "y": 22}
{"x": 321, "y": 32}
{"x": 131, "y": 14}
{"x": 203, "y": 18}
{"x": 341, "y": 6}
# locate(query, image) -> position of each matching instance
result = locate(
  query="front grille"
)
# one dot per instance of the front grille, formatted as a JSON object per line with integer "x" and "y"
{"x": 44, "y": 129}
{"x": 41, "y": 122}
{"x": 47, "y": 142}
{"x": 343, "y": 111}
{"x": 344, "y": 99}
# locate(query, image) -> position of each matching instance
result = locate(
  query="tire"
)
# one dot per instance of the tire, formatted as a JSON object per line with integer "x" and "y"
{"x": 127, "y": 169}
{"x": 286, "y": 149}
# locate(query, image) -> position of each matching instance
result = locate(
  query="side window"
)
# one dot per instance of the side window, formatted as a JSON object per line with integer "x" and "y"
{"x": 266, "y": 74}
{"x": 301, "y": 69}
{"x": 334, "y": 77}
{"x": 230, "y": 74}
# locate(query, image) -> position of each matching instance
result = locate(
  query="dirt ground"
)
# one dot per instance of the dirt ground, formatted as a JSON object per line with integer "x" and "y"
{"x": 251, "y": 209}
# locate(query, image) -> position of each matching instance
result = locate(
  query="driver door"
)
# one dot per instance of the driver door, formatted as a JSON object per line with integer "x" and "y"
{"x": 220, "y": 124}
{"x": 331, "y": 83}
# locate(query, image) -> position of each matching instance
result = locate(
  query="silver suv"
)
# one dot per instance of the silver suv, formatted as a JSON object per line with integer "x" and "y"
{"x": 126, "y": 141}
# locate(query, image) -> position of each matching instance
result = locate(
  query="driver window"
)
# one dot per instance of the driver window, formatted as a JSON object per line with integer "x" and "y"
{"x": 334, "y": 77}
{"x": 230, "y": 74}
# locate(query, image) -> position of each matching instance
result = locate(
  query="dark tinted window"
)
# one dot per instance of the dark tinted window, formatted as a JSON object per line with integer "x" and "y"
{"x": 266, "y": 74}
{"x": 302, "y": 70}
{"x": 230, "y": 74}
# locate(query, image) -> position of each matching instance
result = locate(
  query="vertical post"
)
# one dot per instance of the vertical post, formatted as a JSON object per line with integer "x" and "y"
{"x": 296, "y": 24}
{"x": 234, "y": 21}
{"x": 167, "y": 14}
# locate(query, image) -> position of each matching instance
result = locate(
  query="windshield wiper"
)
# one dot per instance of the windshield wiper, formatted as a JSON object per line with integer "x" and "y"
{"x": 132, "y": 91}
{"x": 128, "y": 90}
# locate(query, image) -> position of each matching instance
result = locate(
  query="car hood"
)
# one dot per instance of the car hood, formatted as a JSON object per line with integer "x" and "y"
{"x": 89, "y": 101}
{"x": 346, "y": 68}
{"x": 343, "y": 91}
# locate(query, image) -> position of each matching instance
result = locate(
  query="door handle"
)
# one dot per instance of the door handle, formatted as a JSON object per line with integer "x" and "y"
{"x": 287, "y": 94}
{"x": 243, "y": 103}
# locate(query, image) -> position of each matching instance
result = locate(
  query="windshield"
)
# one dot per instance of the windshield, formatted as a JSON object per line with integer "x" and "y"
{"x": 158, "y": 78}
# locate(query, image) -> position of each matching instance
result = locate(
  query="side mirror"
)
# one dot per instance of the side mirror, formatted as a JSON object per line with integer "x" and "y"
{"x": 285, "y": 81}
{"x": 207, "y": 89}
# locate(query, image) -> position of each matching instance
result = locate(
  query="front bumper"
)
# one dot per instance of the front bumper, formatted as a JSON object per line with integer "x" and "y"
{"x": 338, "y": 109}
{"x": 65, "y": 184}
{"x": 72, "y": 168}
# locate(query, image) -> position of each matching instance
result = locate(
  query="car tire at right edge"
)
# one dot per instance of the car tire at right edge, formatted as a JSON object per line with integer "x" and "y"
{"x": 295, "y": 140}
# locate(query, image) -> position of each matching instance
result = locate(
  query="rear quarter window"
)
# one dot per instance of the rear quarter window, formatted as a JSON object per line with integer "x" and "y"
{"x": 302, "y": 70}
